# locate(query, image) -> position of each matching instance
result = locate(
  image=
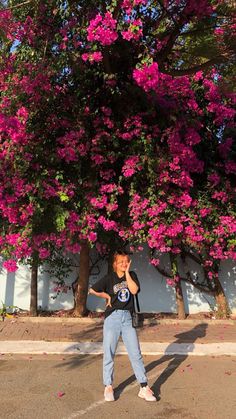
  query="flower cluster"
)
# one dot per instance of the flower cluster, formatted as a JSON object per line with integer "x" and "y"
{"x": 147, "y": 76}
{"x": 134, "y": 30}
{"x": 131, "y": 165}
{"x": 102, "y": 29}
{"x": 92, "y": 57}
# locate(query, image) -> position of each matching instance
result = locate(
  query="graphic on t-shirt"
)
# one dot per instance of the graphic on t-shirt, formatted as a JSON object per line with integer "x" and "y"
{"x": 123, "y": 295}
{"x": 123, "y": 292}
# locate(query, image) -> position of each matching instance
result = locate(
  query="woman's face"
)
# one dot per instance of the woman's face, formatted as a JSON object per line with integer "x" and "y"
{"x": 121, "y": 263}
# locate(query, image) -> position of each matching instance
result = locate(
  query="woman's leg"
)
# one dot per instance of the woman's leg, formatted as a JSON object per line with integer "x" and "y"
{"x": 111, "y": 334}
{"x": 131, "y": 342}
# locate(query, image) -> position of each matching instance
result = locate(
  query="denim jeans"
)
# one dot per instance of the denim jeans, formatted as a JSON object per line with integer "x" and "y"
{"x": 119, "y": 323}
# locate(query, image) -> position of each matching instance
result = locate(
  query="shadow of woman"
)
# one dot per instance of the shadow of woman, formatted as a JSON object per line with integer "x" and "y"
{"x": 172, "y": 355}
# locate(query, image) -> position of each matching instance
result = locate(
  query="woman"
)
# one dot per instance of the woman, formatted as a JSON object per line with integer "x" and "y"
{"x": 118, "y": 289}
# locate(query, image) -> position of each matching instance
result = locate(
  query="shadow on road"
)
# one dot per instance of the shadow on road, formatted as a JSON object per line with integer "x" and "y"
{"x": 91, "y": 333}
{"x": 174, "y": 361}
{"x": 75, "y": 361}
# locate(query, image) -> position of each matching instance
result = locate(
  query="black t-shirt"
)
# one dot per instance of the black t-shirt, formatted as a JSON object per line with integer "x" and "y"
{"x": 117, "y": 288}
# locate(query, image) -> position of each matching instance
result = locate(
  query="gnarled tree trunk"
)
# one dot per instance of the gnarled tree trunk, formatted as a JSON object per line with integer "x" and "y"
{"x": 180, "y": 301}
{"x": 178, "y": 289}
{"x": 83, "y": 278}
{"x": 223, "y": 310}
{"x": 34, "y": 288}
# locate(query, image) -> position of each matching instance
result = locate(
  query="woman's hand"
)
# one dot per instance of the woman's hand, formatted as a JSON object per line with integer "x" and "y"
{"x": 102, "y": 295}
{"x": 108, "y": 301}
{"x": 128, "y": 266}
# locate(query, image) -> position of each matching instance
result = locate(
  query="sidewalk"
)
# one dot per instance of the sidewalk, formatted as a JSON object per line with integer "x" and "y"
{"x": 74, "y": 335}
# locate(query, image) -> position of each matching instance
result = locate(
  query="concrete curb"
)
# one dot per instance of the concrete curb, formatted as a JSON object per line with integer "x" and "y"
{"x": 88, "y": 320}
{"x": 95, "y": 348}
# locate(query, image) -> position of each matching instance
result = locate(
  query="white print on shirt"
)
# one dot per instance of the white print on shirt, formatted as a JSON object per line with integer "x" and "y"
{"x": 119, "y": 286}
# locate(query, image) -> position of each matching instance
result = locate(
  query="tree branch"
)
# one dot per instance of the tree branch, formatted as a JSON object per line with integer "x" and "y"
{"x": 188, "y": 279}
{"x": 192, "y": 70}
{"x": 192, "y": 256}
{"x": 199, "y": 287}
{"x": 18, "y": 5}
{"x": 117, "y": 9}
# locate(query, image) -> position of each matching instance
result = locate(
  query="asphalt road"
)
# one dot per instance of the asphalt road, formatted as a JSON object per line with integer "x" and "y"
{"x": 70, "y": 387}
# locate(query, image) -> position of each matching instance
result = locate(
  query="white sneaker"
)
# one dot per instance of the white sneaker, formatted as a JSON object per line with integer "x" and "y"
{"x": 109, "y": 394}
{"x": 147, "y": 394}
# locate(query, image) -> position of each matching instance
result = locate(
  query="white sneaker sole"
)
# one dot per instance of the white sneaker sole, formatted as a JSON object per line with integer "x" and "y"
{"x": 143, "y": 397}
{"x": 109, "y": 398}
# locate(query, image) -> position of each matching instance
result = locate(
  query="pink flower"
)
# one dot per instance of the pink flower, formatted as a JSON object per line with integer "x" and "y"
{"x": 134, "y": 31}
{"x": 155, "y": 262}
{"x": 198, "y": 76}
{"x": 230, "y": 167}
{"x": 220, "y": 196}
{"x": 131, "y": 166}
{"x": 92, "y": 236}
{"x": 170, "y": 282}
{"x": 108, "y": 188}
{"x": 147, "y": 76}
{"x": 44, "y": 253}
{"x": 102, "y": 29}
{"x": 204, "y": 212}
{"x": 99, "y": 202}
{"x": 92, "y": 57}
{"x": 214, "y": 178}
{"x": 107, "y": 224}
{"x": 98, "y": 159}
{"x": 225, "y": 147}
{"x": 13, "y": 239}
{"x": 10, "y": 265}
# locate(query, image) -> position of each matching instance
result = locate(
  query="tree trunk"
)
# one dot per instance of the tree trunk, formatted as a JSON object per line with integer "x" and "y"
{"x": 180, "y": 301}
{"x": 34, "y": 288}
{"x": 223, "y": 310}
{"x": 178, "y": 289}
{"x": 83, "y": 279}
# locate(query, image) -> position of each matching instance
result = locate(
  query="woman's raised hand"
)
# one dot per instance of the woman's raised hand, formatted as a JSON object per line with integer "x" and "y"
{"x": 128, "y": 266}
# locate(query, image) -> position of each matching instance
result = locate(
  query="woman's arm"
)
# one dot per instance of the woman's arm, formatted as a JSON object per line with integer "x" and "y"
{"x": 101, "y": 295}
{"x": 133, "y": 287}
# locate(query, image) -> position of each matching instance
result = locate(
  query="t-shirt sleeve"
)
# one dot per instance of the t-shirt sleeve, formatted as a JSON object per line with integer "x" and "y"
{"x": 100, "y": 285}
{"x": 135, "y": 278}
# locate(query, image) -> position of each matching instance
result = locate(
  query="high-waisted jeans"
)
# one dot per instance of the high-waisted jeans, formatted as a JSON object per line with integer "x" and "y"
{"x": 119, "y": 323}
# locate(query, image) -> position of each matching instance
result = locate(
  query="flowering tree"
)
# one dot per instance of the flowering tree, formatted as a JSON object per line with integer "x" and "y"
{"x": 104, "y": 128}
{"x": 180, "y": 211}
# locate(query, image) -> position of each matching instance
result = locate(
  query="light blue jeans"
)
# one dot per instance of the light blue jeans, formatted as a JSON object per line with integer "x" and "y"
{"x": 119, "y": 323}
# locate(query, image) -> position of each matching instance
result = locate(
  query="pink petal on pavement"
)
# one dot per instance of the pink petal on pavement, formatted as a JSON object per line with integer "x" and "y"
{"x": 228, "y": 372}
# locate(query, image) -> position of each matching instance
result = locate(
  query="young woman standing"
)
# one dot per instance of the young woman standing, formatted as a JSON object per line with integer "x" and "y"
{"x": 118, "y": 289}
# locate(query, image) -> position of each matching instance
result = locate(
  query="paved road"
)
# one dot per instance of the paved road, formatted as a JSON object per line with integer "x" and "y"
{"x": 70, "y": 387}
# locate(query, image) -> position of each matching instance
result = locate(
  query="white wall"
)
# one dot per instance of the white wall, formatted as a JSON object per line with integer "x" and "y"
{"x": 155, "y": 295}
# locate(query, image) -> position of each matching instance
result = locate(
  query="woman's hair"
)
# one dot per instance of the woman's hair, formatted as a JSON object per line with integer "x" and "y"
{"x": 119, "y": 253}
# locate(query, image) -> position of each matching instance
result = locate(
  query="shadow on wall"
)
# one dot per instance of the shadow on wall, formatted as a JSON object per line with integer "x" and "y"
{"x": 47, "y": 293}
{"x": 43, "y": 290}
{"x": 227, "y": 276}
{"x": 194, "y": 299}
{"x": 10, "y": 289}
{"x": 155, "y": 295}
